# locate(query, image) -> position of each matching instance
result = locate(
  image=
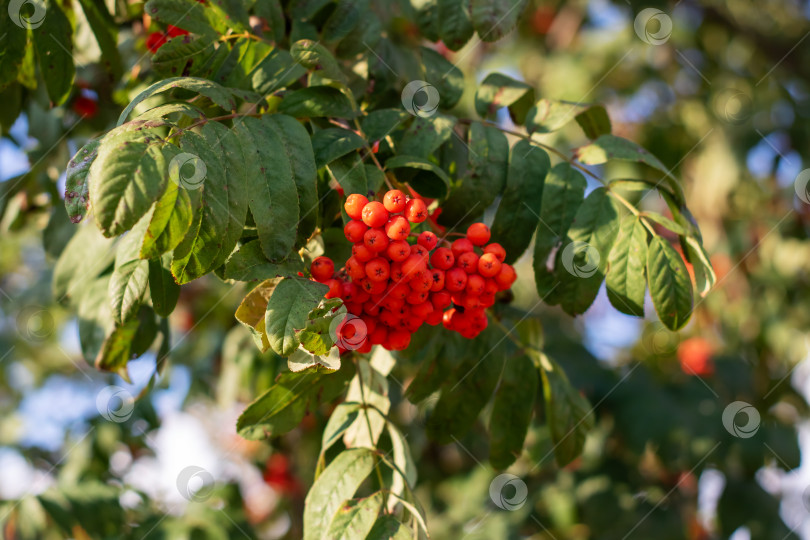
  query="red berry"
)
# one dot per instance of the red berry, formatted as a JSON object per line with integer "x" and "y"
{"x": 334, "y": 288}
{"x": 428, "y": 240}
{"x": 475, "y": 285}
{"x": 354, "y": 231}
{"x": 371, "y": 308}
{"x": 448, "y": 319}
{"x": 400, "y": 291}
{"x": 455, "y": 280}
{"x": 349, "y": 292}
{"x": 354, "y": 205}
{"x": 442, "y": 259}
{"x": 322, "y": 269}
{"x": 422, "y": 310}
{"x": 375, "y": 240}
{"x": 375, "y": 214}
{"x": 398, "y": 250}
{"x": 85, "y": 106}
{"x": 173, "y": 31}
{"x": 478, "y": 233}
{"x": 377, "y": 269}
{"x": 398, "y": 228}
{"x": 505, "y": 277}
{"x": 470, "y": 301}
{"x": 397, "y": 340}
{"x": 437, "y": 279}
{"x": 413, "y": 266}
{"x": 155, "y": 41}
{"x": 468, "y": 261}
{"x": 355, "y": 268}
{"x": 462, "y": 245}
{"x": 417, "y": 297}
{"x": 394, "y": 201}
{"x": 421, "y": 283}
{"x": 378, "y": 336}
{"x": 489, "y": 265}
{"x": 416, "y": 249}
{"x": 434, "y": 318}
{"x": 441, "y": 299}
{"x": 362, "y": 253}
{"x": 416, "y": 211}
{"x": 497, "y": 249}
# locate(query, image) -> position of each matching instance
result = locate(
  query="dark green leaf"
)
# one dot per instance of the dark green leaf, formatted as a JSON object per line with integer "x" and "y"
{"x": 455, "y": 26}
{"x": 84, "y": 258}
{"x": 705, "y": 278}
{"x": 594, "y": 121}
{"x": 350, "y": 173}
{"x": 287, "y": 312}
{"x": 162, "y": 288}
{"x": 77, "y": 189}
{"x": 338, "y": 483}
{"x": 187, "y": 14}
{"x": 115, "y": 352}
{"x": 315, "y": 101}
{"x": 377, "y": 124}
{"x": 582, "y": 260}
{"x": 127, "y": 286}
{"x": 272, "y": 12}
{"x": 343, "y": 20}
{"x": 332, "y": 143}
{"x": 314, "y": 56}
{"x": 13, "y": 38}
{"x": 213, "y": 91}
{"x": 493, "y": 19}
{"x": 445, "y": 76}
{"x": 498, "y": 91}
{"x": 425, "y": 135}
{"x": 95, "y": 318}
{"x": 512, "y": 411}
{"x": 277, "y": 69}
{"x": 625, "y": 275}
{"x": 183, "y": 55}
{"x": 355, "y": 517}
{"x": 106, "y": 32}
{"x": 664, "y": 222}
{"x": 550, "y": 115}
{"x": 53, "y": 41}
{"x": 521, "y": 202}
{"x": 670, "y": 286}
{"x": 170, "y": 221}
{"x": 425, "y": 177}
{"x": 389, "y": 527}
{"x": 248, "y": 263}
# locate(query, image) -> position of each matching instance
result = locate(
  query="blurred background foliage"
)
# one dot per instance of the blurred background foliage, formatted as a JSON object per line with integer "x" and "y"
{"x": 724, "y": 101}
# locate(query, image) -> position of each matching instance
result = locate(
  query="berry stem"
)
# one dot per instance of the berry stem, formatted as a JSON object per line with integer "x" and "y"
{"x": 362, "y": 135}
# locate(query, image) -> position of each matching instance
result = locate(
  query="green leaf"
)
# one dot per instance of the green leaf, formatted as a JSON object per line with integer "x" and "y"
{"x": 127, "y": 286}
{"x": 252, "y": 309}
{"x": 343, "y": 20}
{"x": 664, "y": 222}
{"x": 626, "y": 263}
{"x": 444, "y": 75}
{"x": 512, "y": 411}
{"x": 389, "y": 527}
{"x": 115, "y": 352}
{"x": 350, "y": 173}
{"x": 338, "y": 483}
{"x": 368, "y": 33}
{"x": 465, "y": 393}
{"x": 355, "y": 517}
{"x": 128, "y": 175}
{"x": 94, "y": 315}
{"x": 77, "y": 189}
{"x": 550, "y": 115}
{"x": 162, "y": 288}
{"x": 272, "y": 12}
{"x": 582, "y": 261}
{"x": 84, "y": 258}
{"x": 106, "y": 31}
{"x": 248, "y": 263}
{"x": 53, "y": 41}
{"x": 282, "y": 406}
{"x": 455, "y": 26}
{"x": 13, "y": 40}
{"x": 170, "y": 222}
{"x": 403, "y": 460}
{"x": 339, "y": 421}
{"x": 197, "y": 254}
{"x": 705, "y": 277}
{"x": 220, "y": 95}
{"x": 563, "y": 194}
{"x": 519, "y": 210}
{"x": 568, "y": 413}
{"x": 288, "y": 310}
{"x": 183, "y": 55}
{"x": 425, "y": 177}
{"x": 277, "y": 69}
{"x": 332, "y": 143}
{"x": 498, "y": 91}
{"x": 493, "y": 19}
{"x": 187, "y": 14}
{"x": 437, "y": 359}
{"x": 594, "y": 121}
{"x": 670, "y": 286}
{"x": 425, "y": 135}
{"x": 607, "y": 147}
{"x": 315, "y": 101}
{"x": 427, "y": 18}
{"x": 483, "y": 180}
{"x": 273, "y": 195}
{"x": 297, "y": 144}
{"x": 377, "y": 124}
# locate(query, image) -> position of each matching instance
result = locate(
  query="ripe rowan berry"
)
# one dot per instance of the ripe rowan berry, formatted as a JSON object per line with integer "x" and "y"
{"x": 398, "y": 250}
{"x": 422, "y": 310}
{"x": 349, "y": 291}
{"x": 497, "y": 249}
{"x": 397, "y": 228}
{"x": 394, "y": 201}
{"x": 435, "y": 317}
{"x": 422, "y": 282}
{"x": 354, "y": 205}
{"x": 489, "y": 265}
{"x": 475, "y": 285}
{"x": 371, "y": 308}
{"x": 378, "y": 269}
{"x": 354, "y": 231}
{"x": 413, "y": 266}
{"x": 397, "y": 340}
{"x": 362, "y": 253}
{"x": 422, "y": 251}
{"x": 375, "y": 240}
{"x": 470, "y": 301}
{"x": 462, "y": 245}
{"x": 397, "y": 274}
{"x": 478, "y": 234}
{"x": 374, "y": 214}
{"x": 437, "y": 280}
{"x": 505, "y": 277}
{"x": 416, "y": 211}
{"x": 322, "y": 269}
{"x": 334, "y": 288}
{"x": 417, "y": 297}
{"x": 428, "y": 240}
{"x": 442, "y": 258}
{"x": 378, "y": 336}
{"x": 455, "y": 280}
{"x": 399, "y": 291}
{"x": 355, "y": 268}
{"x": 468, "y": 262}
{"x": 441, "y": 299}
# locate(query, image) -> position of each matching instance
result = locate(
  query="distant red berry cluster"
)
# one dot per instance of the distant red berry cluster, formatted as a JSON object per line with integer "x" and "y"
{"x": 394, "y": 286}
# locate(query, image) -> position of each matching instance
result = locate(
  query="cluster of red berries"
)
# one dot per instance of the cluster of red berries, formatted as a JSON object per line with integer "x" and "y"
{"x": 393, "y": 286}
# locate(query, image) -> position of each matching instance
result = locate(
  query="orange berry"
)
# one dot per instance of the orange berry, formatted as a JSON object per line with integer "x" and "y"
{"x": 413, "y": 265}
{"x": 322, "y": 269}
{"x": 422, "y": 310}
{"x": 375, "y": 240}
{"x": 397, "y": 340}
{"x": 475, "y": 285}
{"x": 354, "y": 231}
{"x": 489, "y": 265}
{"x": 375, "y": 214}
{"x": 462, "y": 245}
{"x": 377, "y": 269}
{"x": 334, "y": 288}
{"x": 455, "y": 280}
{"x": 362, "y": 253}
{"x": 478, "y": 233}
{"x": 416, "y": 211}
{"x": 422, "y": 282}
{"x": 468, "y": 261}
{"x": 428, "y": 240}
{"x": 394, "y": 201}
{"x": 471, "y": 301}
{"x": 422, "y": 251}
{"x": 505, "y": 277}
{"x": 378, "y": 336}
{"x": 355, "y": 268}
{"x": 442, "y": 259}
{"x": 398, "y": 250}
{"x": 497, "y": 249}
{"x": 398, "y": 228}
{"x": 354, "y": 205}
